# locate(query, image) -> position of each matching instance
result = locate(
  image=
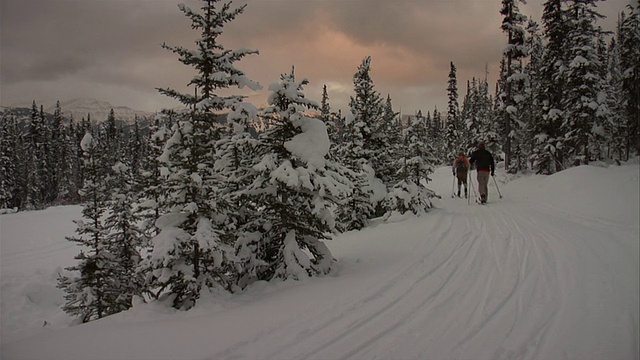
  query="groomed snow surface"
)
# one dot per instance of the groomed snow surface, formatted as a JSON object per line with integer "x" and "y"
{"x": 550, "y": 271}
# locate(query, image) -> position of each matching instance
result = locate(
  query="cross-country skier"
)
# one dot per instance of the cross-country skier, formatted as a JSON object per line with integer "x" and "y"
{"x": 460, "y": 168}
{"x": 484, "y": 165}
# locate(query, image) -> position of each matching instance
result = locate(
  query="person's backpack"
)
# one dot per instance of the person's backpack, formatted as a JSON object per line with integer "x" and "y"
{"x": 461, "y": 165}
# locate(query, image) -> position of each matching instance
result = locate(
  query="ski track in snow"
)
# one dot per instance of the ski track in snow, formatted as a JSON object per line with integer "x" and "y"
{"x": 502, "y": 268}
{"x": 516, "y": 279}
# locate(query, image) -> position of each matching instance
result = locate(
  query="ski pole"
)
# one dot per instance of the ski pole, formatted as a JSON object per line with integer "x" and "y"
{"x": 453, "y": 186}
{"x": 497, "y": 188}
{"x": 473, "y": 187}
{"x": 466, "y": 189}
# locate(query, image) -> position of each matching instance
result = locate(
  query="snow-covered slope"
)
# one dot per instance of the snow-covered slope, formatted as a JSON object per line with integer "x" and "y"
{"x": 550, "y": 271}
{"x": 99, "y": 110}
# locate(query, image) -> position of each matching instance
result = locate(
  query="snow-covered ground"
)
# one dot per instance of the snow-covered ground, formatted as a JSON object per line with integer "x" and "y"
{"x": 550, "y": 271}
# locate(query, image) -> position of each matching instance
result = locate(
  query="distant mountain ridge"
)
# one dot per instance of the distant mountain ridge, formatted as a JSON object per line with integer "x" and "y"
{"x": 99, "y": 110}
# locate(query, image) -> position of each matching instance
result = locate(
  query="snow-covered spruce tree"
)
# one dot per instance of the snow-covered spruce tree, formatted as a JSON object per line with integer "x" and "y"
{"x": 135, "y": 148}
{"x": 77, "y": 156}
{"x": 468, "y": 116}
{"x": 355, "y": 211}
{"x": 65, "y": 153}
{"x": 332, "y": 120}
{"x": 476, "y": 117}
{"x": 630, "y": 66}
{"x": 235, "y": 157}
{"x": 124, "y": 238}
{"x": 615, "y": 124}
{"x": 530, "y": 109}
{"x": 452, "y": 133}
{"x": 110, "y": 135}
{"x": 512, "y": 95}
{"x": 548, "y": 153}
{"x": 369, "y": 116}
{"x": 410, "y": 192}
{"x": 325, "y": 108}
{"x": 89, "y": 294}
{"x": 295, "y": 188}
{"x": 188, "y": 254}
{"x": 54, "y": 156}
{"x": 480, "y": 119}
{"x": 152, "y": 175}
{"x": 437, "y": 132}
{"x": 358, "y": 150}
{"x": 488, "y": 131}
{"x": 549, "y": 81}
{"x": 390, "y": 152}
{"x": 35, "y": 168}
{"x": 583, "y": 102}
{"x": 368, "y": 111}
{"x": 9, "y": 163}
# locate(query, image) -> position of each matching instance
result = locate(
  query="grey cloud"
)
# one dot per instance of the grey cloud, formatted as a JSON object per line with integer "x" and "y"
{"x": 116, "y": 43}
{"x": 45, "y": 40}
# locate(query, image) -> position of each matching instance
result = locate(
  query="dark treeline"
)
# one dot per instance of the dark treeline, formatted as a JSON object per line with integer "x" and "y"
{"x": 41, "y": 158}
{"x": 568, "y": 92}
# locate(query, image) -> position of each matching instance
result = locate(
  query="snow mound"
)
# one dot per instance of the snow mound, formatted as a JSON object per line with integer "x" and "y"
{"x": 610, "y": 194}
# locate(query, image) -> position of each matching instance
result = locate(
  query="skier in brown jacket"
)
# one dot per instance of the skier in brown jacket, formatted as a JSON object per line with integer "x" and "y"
{"x": 460, "y": 169}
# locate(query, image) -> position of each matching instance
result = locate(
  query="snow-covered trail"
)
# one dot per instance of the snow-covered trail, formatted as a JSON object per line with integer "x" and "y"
{"x": 513, "y": 279}
{"x": 529, "y": 276}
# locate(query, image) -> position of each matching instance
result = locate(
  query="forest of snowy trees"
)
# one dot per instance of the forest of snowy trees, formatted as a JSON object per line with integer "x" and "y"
{"x": 222, "y": 194}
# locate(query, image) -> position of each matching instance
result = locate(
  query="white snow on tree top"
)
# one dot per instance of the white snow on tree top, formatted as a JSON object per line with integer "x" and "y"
{"x": 312, "y": 145}
{"x": 88, "y": 142}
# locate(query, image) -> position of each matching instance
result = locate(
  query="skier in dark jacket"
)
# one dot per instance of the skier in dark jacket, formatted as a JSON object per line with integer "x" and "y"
{"x": 485, "y": 165}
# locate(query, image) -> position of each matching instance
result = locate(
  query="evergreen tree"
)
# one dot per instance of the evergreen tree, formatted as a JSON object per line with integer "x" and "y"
{"x": 111, "y": 136}
{"x": 615, "y": 124}
{"x": 488, "y": 121}
{"x": 548, "y": 152}
{"x": 531, "y": 109}
{"x": 67, "y": 171}
{"x": 359, "y": 151}
{"x": 89, "y": 295}
{"x": 368, "y": 113}
{"x": 583, "y": 104}
{"x": 124, "y": 238}
{"x": 513, "y": 93}
{"x": 437, "y": 132}
{"x": 453, "y": 127}
{"x": 410, "y": 192}
{"x": 54, "y": 156}
{"x": 135, "y": 148}
{"x": 9, "y": 163}
{"x": 331, "y": 120}
{"x": 390, "y": 153}
{"x": 296, "y": 188}
{"x": 80, "y": 130}
{"x": 358, "y": 208}
{"x": 235, "y": 157}
{"x": 325, "y": 108}
{"x": 214, "y": 63}
{"x": 153, "y": 172}
{"x": 630, "y": 68}
{"x": 188, "y": 254}
{"x": 36, "y": 165}
{"x": 468, "y": 115}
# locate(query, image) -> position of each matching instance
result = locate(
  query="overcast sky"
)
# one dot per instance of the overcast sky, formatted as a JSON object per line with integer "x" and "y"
{"x": 110, "y": 49}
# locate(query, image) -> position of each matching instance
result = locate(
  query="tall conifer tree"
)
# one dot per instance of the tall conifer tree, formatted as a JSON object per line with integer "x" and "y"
{"x": 295, "y": 187}
{"x": 189, "y": 254}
